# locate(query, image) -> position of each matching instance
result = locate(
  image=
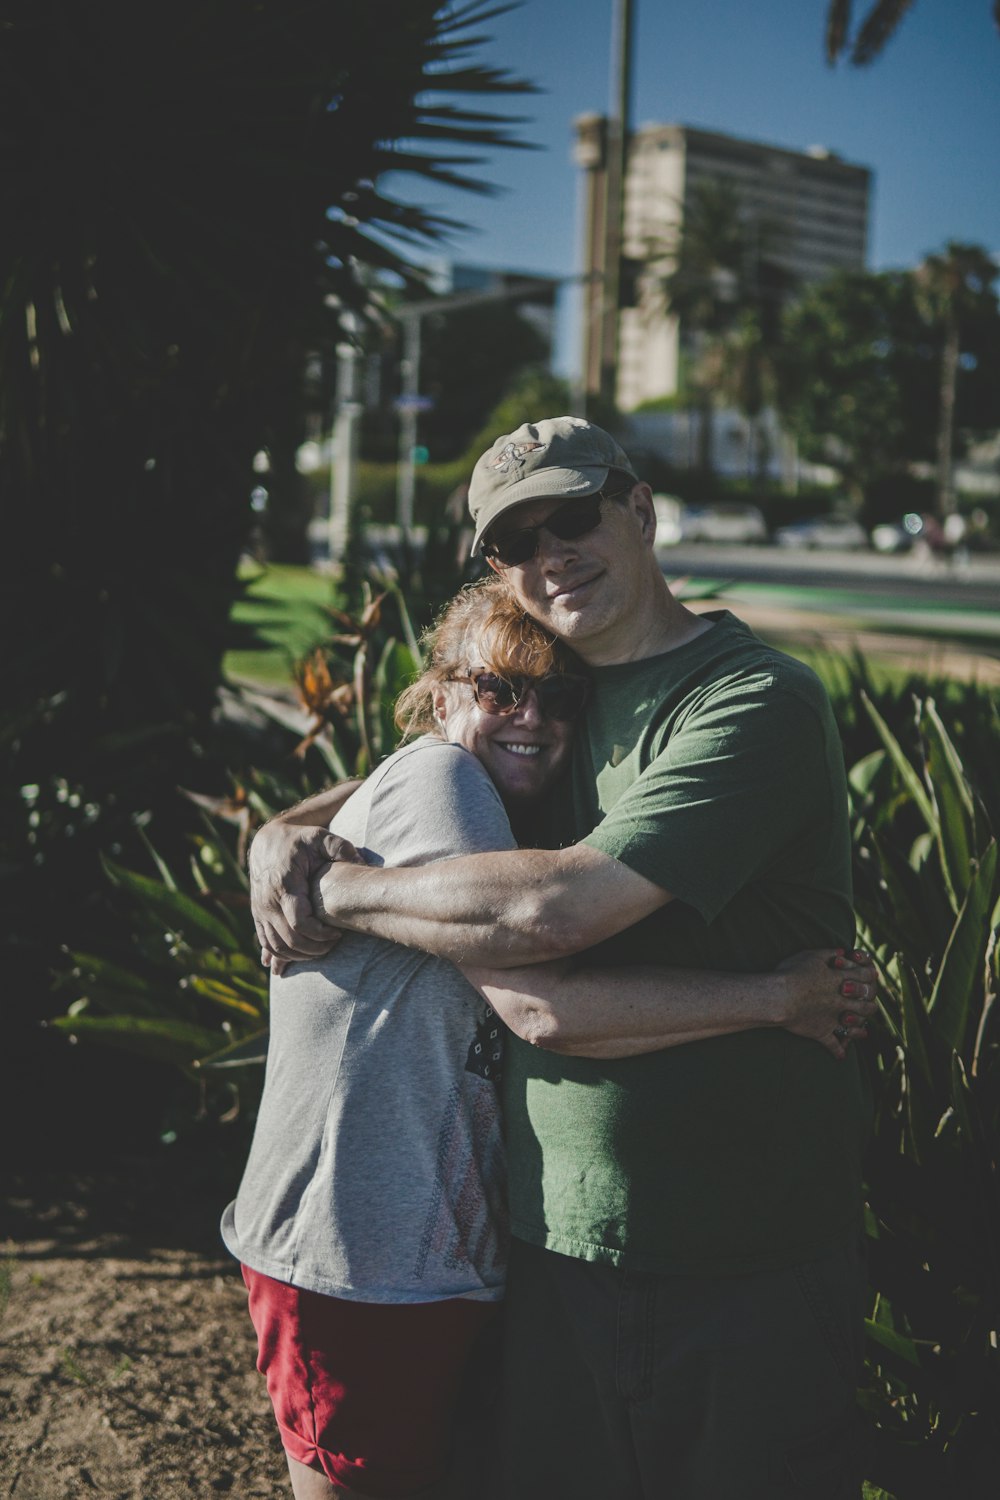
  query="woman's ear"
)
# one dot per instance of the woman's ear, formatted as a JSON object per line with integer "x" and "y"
{"x": 440, "y": 704}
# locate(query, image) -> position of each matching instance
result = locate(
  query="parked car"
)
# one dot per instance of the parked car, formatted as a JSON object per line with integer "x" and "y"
{"x": 726, "y": 522}
{"x": 831, "y": 533}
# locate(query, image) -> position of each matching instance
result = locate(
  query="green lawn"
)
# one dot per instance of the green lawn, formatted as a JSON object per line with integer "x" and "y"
{"x": 285, "y": 606}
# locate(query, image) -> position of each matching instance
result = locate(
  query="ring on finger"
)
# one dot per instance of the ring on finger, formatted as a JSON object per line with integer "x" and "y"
{"x": 841, "y": 1033}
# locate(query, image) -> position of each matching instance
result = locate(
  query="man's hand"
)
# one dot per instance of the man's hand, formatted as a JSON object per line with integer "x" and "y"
{"x": 829, "y": 997}
{"x": 283, "y": 859}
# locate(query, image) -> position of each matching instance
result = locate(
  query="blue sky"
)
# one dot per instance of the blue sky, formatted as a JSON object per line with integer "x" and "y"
{"x": 925, "y": 117}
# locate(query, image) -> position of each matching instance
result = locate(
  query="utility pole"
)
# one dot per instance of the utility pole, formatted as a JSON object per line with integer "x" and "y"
{"x": 619, "y": 132}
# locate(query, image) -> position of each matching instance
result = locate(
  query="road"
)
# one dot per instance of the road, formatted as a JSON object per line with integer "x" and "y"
{"x": 927, "y": 616}
{"x": 974, "y": 586}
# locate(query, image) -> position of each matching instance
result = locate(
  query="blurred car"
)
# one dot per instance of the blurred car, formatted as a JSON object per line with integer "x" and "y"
{"x": 832, "y": 533}
{"x": 727, "y": 522}
{"x": 670, "y": 513}
{"x": 913, "y": 529}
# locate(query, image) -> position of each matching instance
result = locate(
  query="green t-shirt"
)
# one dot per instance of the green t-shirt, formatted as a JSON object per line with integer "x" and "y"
{"x": 715, "y": 770}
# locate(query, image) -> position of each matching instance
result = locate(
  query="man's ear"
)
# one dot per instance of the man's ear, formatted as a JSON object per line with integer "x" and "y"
{"x": 642, "y": 500}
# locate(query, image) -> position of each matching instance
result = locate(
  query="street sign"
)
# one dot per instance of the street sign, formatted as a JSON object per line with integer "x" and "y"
{"x": 414, "y": 403}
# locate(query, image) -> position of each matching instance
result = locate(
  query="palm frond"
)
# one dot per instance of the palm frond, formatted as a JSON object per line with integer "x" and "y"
{"x": 838, "y": 23}
{"x": 878, "y": 26}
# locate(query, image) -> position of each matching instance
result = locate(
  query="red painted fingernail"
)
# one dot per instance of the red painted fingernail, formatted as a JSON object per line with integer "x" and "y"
{"x": 850, "y": 1019}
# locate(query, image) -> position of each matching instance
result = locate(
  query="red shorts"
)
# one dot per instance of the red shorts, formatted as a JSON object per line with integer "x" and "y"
{"x": 364, "y": 1391}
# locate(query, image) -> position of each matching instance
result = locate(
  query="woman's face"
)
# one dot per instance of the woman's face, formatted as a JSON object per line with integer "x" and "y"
{"x": 523, "y": 750}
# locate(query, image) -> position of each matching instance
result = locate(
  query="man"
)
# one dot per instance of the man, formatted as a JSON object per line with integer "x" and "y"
{"x": 686, "y": 1289}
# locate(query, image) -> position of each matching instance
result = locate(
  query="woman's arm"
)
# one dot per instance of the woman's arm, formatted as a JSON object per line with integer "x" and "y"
{"x": 582, "y": 1011}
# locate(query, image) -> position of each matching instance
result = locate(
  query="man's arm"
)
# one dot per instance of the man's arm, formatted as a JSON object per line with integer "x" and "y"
{"x": 285, "y": 852}
{"x": 600, "y": 1012}
{"x": 501, "y": 910}
{"x": 319, "y": 810}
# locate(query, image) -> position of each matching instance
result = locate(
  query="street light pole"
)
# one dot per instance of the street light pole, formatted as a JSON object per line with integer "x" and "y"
{"x": 410, "y": 403}
{"x": 406, "y": 472}
{"x": 345, "y": 443}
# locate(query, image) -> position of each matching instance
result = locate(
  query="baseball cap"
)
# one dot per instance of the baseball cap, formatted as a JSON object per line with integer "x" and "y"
{"x": 559, "y": 456}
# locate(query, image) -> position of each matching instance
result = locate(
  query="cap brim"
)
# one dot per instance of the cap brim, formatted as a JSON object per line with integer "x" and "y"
{"x": 544, "y": 484}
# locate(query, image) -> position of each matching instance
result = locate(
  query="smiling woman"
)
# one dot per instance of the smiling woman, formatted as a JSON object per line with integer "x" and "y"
{"x": 502, "y": 687}
{"x": 355, "y": 1238}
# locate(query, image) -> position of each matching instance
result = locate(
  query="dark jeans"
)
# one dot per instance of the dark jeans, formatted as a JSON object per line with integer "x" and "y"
{"x": 626, "y": 1386}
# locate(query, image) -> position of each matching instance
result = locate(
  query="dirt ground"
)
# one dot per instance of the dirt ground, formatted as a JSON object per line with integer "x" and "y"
{"x": 126, "y": 1355}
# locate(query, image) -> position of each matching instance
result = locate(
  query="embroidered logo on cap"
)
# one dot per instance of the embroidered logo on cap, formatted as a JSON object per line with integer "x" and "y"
{"x": 513, "y": 456}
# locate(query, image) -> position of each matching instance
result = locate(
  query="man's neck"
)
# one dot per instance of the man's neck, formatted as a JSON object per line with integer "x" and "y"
{"x": 663, "y": 625}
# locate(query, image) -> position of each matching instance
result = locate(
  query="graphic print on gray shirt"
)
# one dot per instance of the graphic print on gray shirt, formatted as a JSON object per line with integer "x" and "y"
{"x": 376, "y": 1171}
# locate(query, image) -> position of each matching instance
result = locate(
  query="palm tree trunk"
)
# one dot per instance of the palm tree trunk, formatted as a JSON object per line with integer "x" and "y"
{"x": 946, "y": 419}
{"x": 762, "y": 447}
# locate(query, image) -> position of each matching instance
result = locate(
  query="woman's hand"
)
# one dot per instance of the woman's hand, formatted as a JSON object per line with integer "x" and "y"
{"x": 829, "y": 996}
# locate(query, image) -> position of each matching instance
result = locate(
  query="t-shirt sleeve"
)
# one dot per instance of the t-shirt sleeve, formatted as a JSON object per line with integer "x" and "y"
{"x": 733, "y": 787}
{"x": 437, "y": 802}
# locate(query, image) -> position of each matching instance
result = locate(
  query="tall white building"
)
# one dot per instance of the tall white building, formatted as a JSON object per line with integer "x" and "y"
{"x": 814, "y": 207}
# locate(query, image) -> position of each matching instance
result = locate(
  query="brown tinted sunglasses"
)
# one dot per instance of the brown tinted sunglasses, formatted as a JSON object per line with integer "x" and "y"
{"x": 562, "y": 695}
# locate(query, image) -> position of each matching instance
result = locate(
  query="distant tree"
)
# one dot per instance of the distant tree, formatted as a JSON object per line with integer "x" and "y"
{"x": 726, "y": 287}
{"x": 856, "y": 383}
{"x": 880, "y": 23}
{"x": 954, "y": 293}
{"x": 533, "y": 392}
{"x": 870, "y": 376}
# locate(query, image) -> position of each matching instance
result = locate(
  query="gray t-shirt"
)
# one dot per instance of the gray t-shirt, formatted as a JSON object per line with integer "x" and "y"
{"x": 376, "y": 1171}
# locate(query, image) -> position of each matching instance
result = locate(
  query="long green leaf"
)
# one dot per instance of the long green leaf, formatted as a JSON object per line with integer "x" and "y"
{"x": 166, "y": 1040}
{"x": 89, "y": 966}
{"x": 963, "y": 1102}
{"x": 408, "y": 630}
{"x": 117, "y": 991}
{"x": 907, "y": 774}
{"x": 963, "y": 967}
{"x": 235, "y": 968}
{"x": 178, "y": 909}
{"x": 864, "y": 772}
{"x": 896, "y": 1343}
{"x": 242, "y": 1054}
{"x": 915, "y": 1038}
{"x": 225, "y": 853}
{"x": 221, "y": 994}
{"x": 956, "y": 813}
{"x": 160, "y": 863}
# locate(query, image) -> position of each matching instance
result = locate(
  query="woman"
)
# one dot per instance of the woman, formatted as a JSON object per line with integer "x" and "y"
{"x": 370, "y": 1220}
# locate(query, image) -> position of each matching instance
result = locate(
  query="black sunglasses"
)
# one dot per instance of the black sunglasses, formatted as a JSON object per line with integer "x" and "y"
{"x": 560, "y": 696}
{"x": 575, "y": 518}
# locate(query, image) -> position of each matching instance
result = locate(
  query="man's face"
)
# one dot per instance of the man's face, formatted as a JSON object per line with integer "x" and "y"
{"x": 585, "y": 590}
